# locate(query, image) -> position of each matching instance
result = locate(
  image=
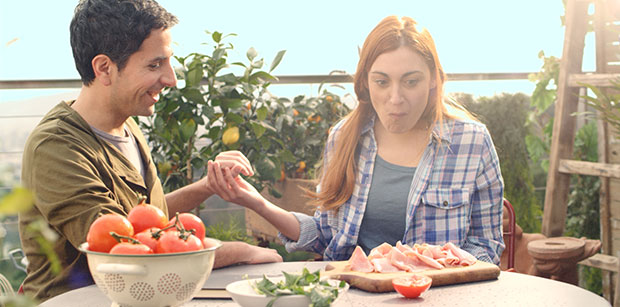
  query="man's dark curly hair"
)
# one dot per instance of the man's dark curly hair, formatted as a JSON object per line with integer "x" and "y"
{"x": 115, "y": 28}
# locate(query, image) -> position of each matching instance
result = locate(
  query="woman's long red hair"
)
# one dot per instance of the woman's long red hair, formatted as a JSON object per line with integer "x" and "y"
{"x": 338, "y": 174}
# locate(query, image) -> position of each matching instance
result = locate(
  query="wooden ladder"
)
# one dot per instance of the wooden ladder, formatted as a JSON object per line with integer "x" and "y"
{"x": 607, "y": 33}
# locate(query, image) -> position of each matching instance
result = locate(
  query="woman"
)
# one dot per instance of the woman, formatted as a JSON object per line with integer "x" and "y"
{"x": 404, "y": 165}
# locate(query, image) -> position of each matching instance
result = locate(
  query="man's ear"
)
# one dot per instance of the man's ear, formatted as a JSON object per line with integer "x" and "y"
{"x": 103, "y": 66}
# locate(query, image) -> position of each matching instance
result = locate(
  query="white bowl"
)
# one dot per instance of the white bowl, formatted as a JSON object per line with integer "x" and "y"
{"x": 150, "y": 280}
{"x": 243, "y": 294}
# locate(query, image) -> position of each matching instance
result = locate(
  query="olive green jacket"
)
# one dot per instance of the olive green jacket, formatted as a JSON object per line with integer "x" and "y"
{"x": 76, "y": 177}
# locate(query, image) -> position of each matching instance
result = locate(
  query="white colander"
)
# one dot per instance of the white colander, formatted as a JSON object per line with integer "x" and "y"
{"x": 150, "y": 280}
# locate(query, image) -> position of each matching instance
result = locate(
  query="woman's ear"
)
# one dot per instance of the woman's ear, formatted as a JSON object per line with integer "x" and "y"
{"x": 433, "y": 83}
{"x": 102, "y": 67}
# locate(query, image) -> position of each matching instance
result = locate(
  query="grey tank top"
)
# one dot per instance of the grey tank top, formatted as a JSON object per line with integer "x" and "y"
{"x": 127, "y": 145}
{"x": 386, "y": 208}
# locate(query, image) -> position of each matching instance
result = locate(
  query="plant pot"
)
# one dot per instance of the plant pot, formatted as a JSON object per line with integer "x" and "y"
{"x": 293, "y": 199}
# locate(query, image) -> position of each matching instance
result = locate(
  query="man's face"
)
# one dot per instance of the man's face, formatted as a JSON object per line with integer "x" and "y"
{"x": 135, "y": 89}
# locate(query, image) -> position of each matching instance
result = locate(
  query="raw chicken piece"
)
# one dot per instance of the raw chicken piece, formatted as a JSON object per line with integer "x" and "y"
{"x": 359, "y": 262}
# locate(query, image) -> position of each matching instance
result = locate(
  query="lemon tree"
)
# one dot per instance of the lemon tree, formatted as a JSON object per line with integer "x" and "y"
{"x": 213, "y": 109}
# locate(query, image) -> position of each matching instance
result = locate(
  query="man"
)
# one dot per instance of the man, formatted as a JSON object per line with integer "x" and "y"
{"x": 88, "y": 157}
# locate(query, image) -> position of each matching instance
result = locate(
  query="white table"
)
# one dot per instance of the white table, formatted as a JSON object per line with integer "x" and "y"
{"x": 510, "y": 289}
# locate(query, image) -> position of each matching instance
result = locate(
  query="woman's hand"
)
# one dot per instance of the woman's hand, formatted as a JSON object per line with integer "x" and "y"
{"x": 231, "y": 187}
{"x": 236, "y": 162}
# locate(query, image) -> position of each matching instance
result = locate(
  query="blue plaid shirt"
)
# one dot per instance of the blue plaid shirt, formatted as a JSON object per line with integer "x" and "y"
{"x": 455, "y": 196}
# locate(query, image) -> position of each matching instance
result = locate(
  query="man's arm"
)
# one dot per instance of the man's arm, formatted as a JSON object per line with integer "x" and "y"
{"x": 187, "y": 197}
{"x": 241, "y": 252}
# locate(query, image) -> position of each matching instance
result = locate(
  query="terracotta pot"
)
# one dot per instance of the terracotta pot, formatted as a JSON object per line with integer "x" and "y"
{"x": 293, "y": 199}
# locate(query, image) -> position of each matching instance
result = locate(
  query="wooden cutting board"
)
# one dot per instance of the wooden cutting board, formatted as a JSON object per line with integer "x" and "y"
{"x": 382, "y": 282}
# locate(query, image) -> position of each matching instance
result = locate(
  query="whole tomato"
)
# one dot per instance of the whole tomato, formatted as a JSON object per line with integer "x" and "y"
{"x": 175, "y": 242}
{"x": 145, "y": 216}
{"x": 412, "y": 286}
{"x": 149, "y": 237}
{"x": 99, "y": 238}
{"x": 191, "y": 223}
{"x": 127, "y": 248}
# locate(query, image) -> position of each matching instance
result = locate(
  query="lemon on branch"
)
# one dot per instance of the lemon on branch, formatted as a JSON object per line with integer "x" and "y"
{"x": 230, "y": 136}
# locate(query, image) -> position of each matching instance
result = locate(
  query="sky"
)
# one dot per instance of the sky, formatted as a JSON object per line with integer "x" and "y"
{"x": 319, "y": 36}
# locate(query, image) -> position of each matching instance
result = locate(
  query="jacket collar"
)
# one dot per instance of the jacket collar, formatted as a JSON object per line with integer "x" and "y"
{"x": 121, "y": 165}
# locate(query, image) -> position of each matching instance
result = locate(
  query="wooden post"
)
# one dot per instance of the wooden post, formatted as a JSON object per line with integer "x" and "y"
{"x": 603, "y": 155}
{"x": 554, "y": 214}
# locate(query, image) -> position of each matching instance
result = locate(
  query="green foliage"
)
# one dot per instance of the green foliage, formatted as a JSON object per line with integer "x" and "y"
{"x": 583, "y": 204}
{"x": 280, "y": 137}
{"x": 189, "y": 121}
{"x": 540, "y": 119}
{"x": 583, "y": 215}
{"x": 607, "y": 103}
{"x": 229, "y": 232}
{"x": 19, "y": 200}
{"x": 505, "y": 116}
{"x": 303, "y": 126}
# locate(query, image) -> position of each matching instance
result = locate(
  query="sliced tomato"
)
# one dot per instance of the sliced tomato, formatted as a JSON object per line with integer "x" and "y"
{"x": 412, "y": 286}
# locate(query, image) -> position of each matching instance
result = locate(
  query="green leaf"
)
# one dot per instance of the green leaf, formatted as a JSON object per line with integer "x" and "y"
{"x": 258, "y": 64}
{"x": 276, "y": 60}
{"x": 18, "y": 200}
{"x": 232, "y": 103}
{"x": 214, "y": 132}
{"x": 194, "y": 76}
{"x": 260, "y": 75}
{"x": 217, "y": 36}
{"x": 258, "y": 129}
{"x": 229, "y": 78}
{"x": 261, "y": 113}
{"x": 187, "y": 129}
{"x": 287, "y": 156}
{"x": 193, "y": 95}
{"x": 234, "y": 118}
{"x": 251, "y": 54}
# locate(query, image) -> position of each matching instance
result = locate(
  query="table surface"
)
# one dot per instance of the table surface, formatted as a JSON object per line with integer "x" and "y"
{"x": 510, "y": 289}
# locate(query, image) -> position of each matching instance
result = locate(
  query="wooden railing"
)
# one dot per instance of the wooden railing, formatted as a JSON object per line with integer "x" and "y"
{"x": 285, "y": 79}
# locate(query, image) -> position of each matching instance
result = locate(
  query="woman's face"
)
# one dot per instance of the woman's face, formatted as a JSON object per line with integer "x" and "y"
{"x": 399, "y": 83}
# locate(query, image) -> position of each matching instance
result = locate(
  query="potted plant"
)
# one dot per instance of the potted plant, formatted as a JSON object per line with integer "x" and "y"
{"x": 212, "y": 110}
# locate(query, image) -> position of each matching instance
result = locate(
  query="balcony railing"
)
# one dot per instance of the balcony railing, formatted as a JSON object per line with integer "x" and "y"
{"x": 286, "y": 79}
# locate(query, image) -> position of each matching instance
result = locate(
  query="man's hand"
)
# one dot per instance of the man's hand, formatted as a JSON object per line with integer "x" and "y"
{"x": 240, "y": 252}
{"x": 263, "y": 255}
